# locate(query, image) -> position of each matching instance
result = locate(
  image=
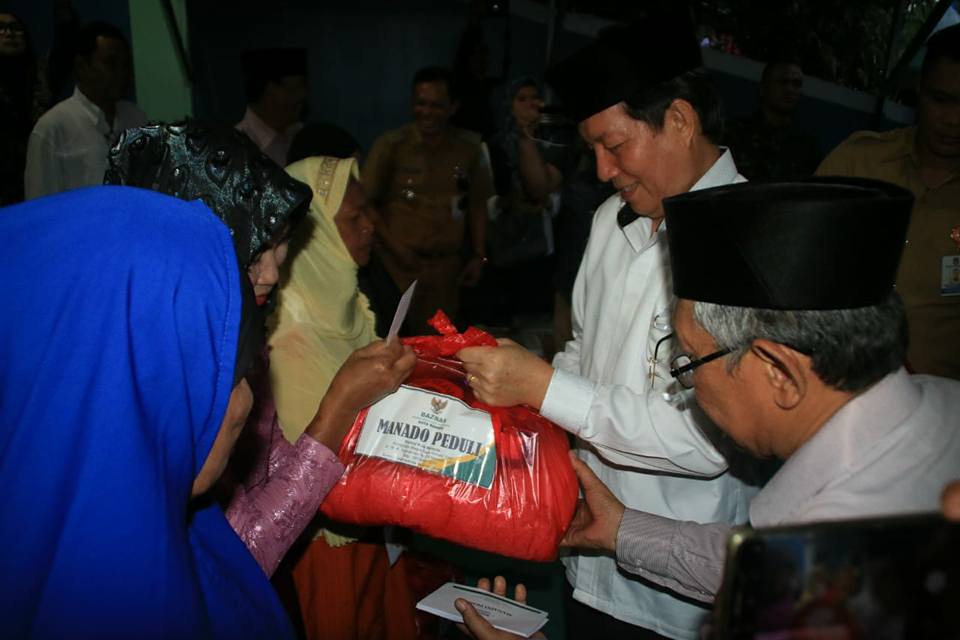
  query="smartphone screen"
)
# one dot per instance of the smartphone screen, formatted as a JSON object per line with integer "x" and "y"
{"x": 887, "y": 578}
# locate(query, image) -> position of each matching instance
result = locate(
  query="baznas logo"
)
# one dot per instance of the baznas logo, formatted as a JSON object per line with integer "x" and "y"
{"x": 438, "y": 404}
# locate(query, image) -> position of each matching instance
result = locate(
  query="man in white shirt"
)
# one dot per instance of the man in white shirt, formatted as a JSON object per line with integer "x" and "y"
{"x": 652, "y": 118}
{"x": 275, "y": 81}
{"x": 69, "y": 144}
{"x": 793, "y": 340}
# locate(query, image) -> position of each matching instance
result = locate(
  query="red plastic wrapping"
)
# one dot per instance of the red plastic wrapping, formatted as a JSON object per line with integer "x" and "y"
{"x": 534, "y": 490}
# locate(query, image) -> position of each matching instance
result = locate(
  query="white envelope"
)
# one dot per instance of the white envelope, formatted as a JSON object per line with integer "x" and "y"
{"x": 503, "y": 613}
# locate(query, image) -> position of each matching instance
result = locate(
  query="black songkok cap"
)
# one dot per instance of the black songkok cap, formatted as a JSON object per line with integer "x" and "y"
{"x": 624, "y": 61}
{"x": 220, "y": 166}
{"x": 272, "y": 65}
{"x": 822, "y": 243}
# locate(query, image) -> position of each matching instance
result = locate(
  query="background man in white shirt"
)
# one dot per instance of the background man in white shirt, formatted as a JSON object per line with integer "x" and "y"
{"x": 275, "y": 81}
{"x": 652, "y": 117}
{"x": 68, "y": 146}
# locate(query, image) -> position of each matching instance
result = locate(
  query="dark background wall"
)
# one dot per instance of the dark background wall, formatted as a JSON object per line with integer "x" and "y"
{"x": 361, "y": 55}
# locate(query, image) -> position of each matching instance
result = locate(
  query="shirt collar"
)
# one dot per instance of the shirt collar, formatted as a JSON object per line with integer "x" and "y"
{"x": 835, "y": 450}
{"x": 93, "y": 111}
{"x": 722, "y": 172}
{"x": 257, "y": 130}
{"x": 906, "y": 147}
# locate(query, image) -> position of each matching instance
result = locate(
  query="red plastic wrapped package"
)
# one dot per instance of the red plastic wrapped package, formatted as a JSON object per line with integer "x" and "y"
{"x": 436, "y": 460}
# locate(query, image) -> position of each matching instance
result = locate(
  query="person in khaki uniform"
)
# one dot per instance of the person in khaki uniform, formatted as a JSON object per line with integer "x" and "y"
{"x": 926, "y": 160}
{"x": 430, "y": 182}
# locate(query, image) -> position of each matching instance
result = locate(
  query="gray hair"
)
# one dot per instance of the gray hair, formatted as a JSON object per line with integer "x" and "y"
{"x": 850, "y": 349}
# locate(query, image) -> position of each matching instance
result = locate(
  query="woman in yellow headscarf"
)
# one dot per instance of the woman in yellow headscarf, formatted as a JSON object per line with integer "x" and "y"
{"x": 346, "y": 587}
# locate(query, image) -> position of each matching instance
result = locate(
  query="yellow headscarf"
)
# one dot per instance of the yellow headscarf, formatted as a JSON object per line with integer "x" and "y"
{"x": 321, "y": 315}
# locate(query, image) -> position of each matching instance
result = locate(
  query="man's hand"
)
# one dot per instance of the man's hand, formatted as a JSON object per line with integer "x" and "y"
{"x": 598, "y": 514}
{"x": 472, "y": 271}
{"x": 475, "y": 626}
{"x": 368, "y": 375}
{"x": 506, "y": 375}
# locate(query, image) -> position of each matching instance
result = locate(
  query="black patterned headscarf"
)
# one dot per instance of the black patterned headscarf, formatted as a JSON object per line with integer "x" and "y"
{"x": 219, "y": 165}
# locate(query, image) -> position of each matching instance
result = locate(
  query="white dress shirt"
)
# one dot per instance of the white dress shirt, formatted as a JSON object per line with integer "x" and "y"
{"x": 888, "y": 451}
{"x": 271, "y": 142}
{"x": 607, "y": 389}
{"x": 69, "y": 144}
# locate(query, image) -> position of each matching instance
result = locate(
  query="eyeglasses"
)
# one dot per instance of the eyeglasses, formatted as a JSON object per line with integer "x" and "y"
{"x": 653, "y": 362}
{"x": 682, "y": 366}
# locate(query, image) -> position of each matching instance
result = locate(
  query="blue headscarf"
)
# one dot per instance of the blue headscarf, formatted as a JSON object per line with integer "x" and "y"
{"x": 117, "y": 352}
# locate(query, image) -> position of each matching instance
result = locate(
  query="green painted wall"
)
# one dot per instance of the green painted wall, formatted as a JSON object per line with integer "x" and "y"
{"x": 163, "y": 90}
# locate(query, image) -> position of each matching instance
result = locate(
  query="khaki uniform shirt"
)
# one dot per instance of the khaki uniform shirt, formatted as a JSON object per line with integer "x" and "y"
{"x": 424, "y": 196}
{"x": 934, "y": 318}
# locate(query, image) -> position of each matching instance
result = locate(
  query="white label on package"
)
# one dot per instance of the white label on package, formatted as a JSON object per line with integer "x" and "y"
{"x": 433, "y": 432}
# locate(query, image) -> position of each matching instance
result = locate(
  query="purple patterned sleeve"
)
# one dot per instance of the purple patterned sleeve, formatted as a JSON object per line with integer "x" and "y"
{"x": 275, "y": 487}
{"x": 270, "y": 516}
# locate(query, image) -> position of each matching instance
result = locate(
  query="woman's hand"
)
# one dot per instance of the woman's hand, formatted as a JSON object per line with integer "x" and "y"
{"x": 368, "y": 375}
{"x": 506, "y": 375}
{"x": 475, "y": 626}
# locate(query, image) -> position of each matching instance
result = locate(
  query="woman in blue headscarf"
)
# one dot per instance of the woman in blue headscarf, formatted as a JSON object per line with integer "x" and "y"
{"x": 121, "y": 394}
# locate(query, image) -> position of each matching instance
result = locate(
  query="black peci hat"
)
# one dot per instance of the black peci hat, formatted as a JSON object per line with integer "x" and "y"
{"x": 822, "y": 243}
{"x": 262, "y": 66}
{"x": 275, "y": 63}
{"x": 624, "y": 61}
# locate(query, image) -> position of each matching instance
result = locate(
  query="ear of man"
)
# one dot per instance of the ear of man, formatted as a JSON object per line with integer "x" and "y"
{"x": 786, "y": 372}
{"x": 682, "y": 120}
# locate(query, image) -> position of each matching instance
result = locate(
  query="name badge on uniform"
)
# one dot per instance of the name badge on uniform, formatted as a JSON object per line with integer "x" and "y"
{"x": 950, "y": 268}
{"x": 950, "y": 275}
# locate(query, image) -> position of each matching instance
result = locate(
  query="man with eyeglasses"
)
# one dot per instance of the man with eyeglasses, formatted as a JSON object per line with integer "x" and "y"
{"x": 793, "y": 341}
{"x": 652, "y": 117}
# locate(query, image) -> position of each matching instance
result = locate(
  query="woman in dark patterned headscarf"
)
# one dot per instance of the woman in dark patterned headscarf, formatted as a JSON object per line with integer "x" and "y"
{"x": 273, "y": 488}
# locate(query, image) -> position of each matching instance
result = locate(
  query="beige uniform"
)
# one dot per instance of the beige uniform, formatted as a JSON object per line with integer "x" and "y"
{"x": 934, "y": 318}
{"x": 425, "y": 197}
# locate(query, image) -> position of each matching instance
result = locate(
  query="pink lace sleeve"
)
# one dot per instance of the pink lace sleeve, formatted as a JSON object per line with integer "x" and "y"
{"x": 270, "y": 516}
{"x": 275, "y": 487}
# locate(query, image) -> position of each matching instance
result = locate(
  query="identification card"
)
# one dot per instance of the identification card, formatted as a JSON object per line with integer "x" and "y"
{"x": 434, "y": 432}
{"x": 950, "y": 275}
